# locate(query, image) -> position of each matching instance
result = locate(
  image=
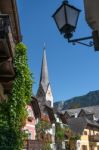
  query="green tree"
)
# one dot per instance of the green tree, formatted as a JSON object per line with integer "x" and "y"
{"x": 74, "y": 105}
{"x": 65, "y": 133}
{"x": 41, "y": 128}
{"x": 59, "y": 133}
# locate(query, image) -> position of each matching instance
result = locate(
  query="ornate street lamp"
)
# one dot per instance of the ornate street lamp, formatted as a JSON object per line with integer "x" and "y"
{"x": 66, "y": 18}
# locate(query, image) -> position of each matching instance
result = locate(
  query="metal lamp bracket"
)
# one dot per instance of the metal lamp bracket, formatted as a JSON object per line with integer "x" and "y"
{"x": 74, "y": 41}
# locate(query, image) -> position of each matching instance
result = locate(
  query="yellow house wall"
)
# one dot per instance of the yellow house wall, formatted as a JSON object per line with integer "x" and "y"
{"x": 84, "y": 140}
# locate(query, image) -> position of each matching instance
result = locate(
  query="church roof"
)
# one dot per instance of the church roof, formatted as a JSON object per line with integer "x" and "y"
{"x": 44, "y": 80}
{"x": 50, "y": 112}
{"x": 44, "y": 85}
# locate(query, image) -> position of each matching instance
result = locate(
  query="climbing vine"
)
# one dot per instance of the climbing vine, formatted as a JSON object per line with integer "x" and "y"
{"x": 13, "y": 112}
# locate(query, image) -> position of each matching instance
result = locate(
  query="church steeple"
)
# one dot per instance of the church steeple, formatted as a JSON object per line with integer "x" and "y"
{"x": 44, "y": 93}
{"x": 44, "y": 80}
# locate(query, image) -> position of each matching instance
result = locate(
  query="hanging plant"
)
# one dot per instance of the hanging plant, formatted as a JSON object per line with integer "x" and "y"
{"x": 13, "y": 113}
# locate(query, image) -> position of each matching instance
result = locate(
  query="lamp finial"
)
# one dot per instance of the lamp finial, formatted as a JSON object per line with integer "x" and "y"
{"x": 65, "y": 2}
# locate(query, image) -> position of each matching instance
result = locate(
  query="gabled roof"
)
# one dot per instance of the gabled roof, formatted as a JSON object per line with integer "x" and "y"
{"x": 66, "y": 113}
{"x": 63, "y": 116}
{"x": 91, "y": 109}
{"x": 86, "y": 112}
{"x": 35, "y": 107}
{"x": 50, "y": 113}
{"x": 77, "y": 125}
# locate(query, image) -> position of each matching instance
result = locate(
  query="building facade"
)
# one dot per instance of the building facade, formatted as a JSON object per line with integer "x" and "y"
{"x": 9, "y": 36}
{"x": 92, "y": 13}
{"x": 45, "y": 97}
{"x": 92, "y": 18}
{"x": 84, "y": 124}
{"x": 30, "y": 123}
{"x": 88, "y": 132}
{"x": 40, "y": 109}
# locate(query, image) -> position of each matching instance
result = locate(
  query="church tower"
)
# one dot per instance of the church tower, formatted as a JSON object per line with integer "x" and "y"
{"x": 44, "y": 93}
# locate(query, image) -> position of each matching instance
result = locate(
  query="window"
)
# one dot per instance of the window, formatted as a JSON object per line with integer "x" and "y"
{"x": 89, "y": 132}
{"x": 98, "y": 148}
{"x": 45, "y": 112}
{"x": 85, "y": 132}
{"x": 84, "y": 147}
{"x": 30, "y": 113}
{"x": 29, "y": 136}
{"x": 91, "y": 147}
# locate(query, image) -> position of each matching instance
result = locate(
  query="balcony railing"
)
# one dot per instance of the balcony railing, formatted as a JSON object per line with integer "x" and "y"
{"x": 32, "y": 145}
{"x": 6, "y": 33}
{"x": 94, "y": 138}
{"x": 7, "y": 47}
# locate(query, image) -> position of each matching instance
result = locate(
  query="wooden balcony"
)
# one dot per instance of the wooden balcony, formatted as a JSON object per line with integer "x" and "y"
{"x": 6, "y": 71}
{"x": 9, "y": 36}
{"x": 7, "y": 42}
{"x": 4, "y": 49}
{"x": 94, "y": 138}
{"x": 10, "y": 7}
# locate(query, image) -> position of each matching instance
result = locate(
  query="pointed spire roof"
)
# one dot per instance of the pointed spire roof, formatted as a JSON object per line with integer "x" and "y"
{"x": 44, "y": 80}
{"x": 44, "y": 85}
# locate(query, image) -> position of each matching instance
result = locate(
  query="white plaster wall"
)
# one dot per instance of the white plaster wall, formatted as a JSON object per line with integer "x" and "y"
{"x": 49, "y": 96}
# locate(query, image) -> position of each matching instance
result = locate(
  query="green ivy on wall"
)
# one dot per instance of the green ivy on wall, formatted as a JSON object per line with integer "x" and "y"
{"x": 13, "y": 112}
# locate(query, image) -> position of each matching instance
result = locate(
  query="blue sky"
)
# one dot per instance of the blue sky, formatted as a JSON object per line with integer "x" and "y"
{"x": 73, "y": 70}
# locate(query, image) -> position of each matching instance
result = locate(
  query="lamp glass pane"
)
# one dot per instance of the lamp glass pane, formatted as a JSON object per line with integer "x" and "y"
{"x": 60, "y": 18}
{"x": 72, "y": 15}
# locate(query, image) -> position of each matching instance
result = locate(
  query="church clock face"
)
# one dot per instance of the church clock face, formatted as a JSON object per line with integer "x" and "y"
{"x": 49, "y": 93}
{"x": 49, "y": 96}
